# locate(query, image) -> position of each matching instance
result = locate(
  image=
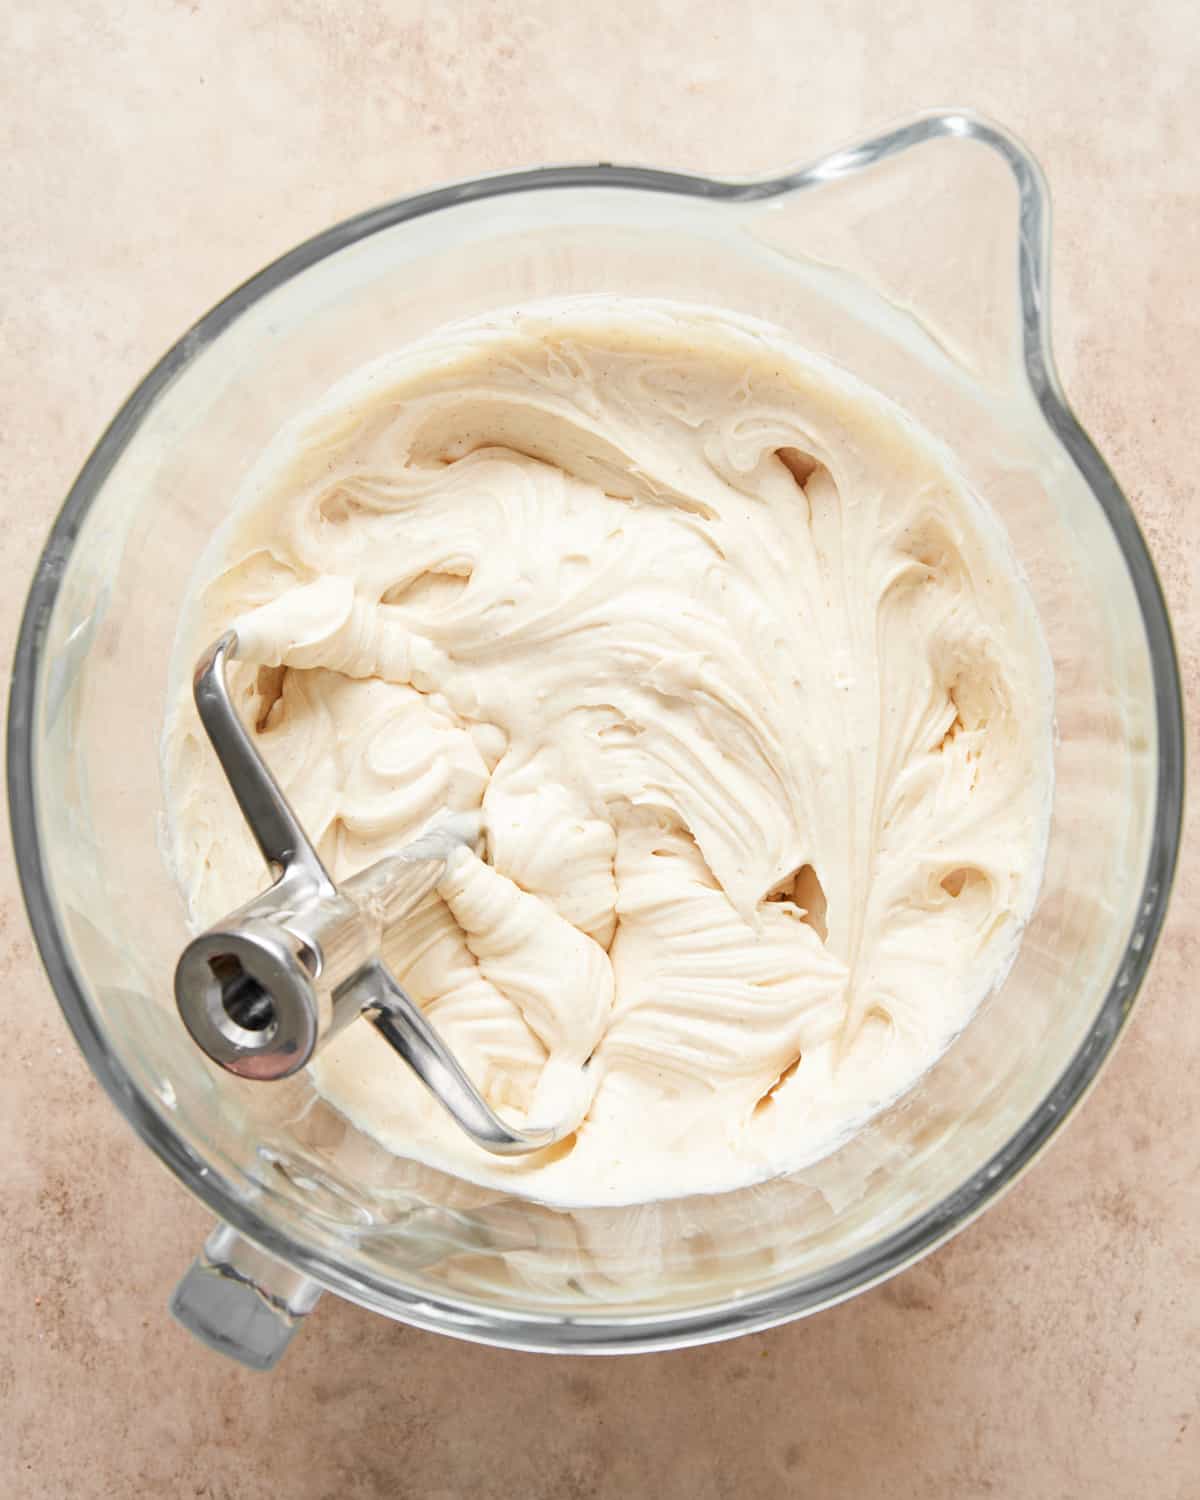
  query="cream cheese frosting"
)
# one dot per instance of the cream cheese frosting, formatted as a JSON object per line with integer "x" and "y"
{"x": 744, "y": 680}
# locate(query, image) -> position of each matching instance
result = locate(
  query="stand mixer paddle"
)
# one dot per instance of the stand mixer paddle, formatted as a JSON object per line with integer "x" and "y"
{"x": 264, "y": 989}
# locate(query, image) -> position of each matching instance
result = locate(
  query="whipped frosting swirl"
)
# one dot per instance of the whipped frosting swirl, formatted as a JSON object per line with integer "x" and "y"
{"x": 746, "y": 685}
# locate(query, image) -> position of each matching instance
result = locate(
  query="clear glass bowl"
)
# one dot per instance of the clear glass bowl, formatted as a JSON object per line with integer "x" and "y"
{"x": 918, "y": 261}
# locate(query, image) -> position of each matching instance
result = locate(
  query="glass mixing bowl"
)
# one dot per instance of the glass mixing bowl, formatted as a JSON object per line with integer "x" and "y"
{"x": 918, "y": 261}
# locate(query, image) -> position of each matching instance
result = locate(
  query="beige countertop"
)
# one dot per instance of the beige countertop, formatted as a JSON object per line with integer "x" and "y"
{"x": 155, "y": 154}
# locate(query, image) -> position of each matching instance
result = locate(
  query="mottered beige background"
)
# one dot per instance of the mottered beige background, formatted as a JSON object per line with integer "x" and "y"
{"x": 153, "y": 155}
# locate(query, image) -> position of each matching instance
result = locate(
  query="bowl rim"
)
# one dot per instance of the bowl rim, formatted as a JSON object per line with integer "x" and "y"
{"x": 464, "y": 1317}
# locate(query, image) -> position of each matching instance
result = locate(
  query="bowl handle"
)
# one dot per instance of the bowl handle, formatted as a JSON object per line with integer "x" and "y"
{"x": 241, "y": 1301}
